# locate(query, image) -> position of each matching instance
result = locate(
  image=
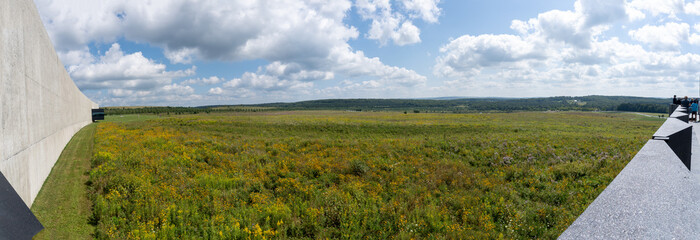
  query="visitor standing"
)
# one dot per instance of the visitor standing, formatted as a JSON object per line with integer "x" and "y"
{"x": 685, "y": 103}
{"x": 694, "y": 111}
{"x": 676, "y": 100}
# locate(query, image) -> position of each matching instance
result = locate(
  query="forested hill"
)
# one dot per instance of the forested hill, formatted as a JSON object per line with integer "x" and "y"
{"x": 585, "y": 103}
{"x": 449, "y": 105}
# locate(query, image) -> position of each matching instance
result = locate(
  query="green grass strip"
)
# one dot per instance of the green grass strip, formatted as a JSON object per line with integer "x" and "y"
{"x": 62, "y": 205}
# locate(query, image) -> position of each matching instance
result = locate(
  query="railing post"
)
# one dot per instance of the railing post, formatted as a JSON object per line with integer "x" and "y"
{"x": 678, "y": 134}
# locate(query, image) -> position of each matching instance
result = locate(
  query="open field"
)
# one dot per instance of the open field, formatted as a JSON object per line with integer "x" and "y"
{"x": 356, "y": 175}
{"x": 129, "y": 118}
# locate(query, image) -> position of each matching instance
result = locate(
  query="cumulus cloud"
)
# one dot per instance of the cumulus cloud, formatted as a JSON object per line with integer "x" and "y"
{"x": 391, "y": 24}
{"x": 208, "y": 81}
{"x": 76, "y": 57}
{"x": 118, "y": 70}
{"x": 73, "y": 24}
{"x": 304, "y": 41}
{"x": 427, "y": 10}
{"x": 564, "y": 26}
{"x": 664, "y": 37}
{"x": 572, "y": 31}
{"x": 597, "y": 12}
{"x": 357, "y": 64}
{"x": 694, "y": 39}
{"x": 216, "y": 91}
{"x": 569, "y": 51}
{"x": 577, "y": 28}
{"x": 671, "y": 8}
{"x": 693, "y": 8}
{"x": 161, "y": 95}
{"x": 467, "y": 55}
{"x": 176, "y": 89}
{"x": 265, "y": 82}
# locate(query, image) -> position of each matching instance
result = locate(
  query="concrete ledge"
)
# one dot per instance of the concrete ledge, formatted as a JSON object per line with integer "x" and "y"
{"x": 653, "y": 197}
{"x": 670, "y": 127}
{"x": 680, "y": 113}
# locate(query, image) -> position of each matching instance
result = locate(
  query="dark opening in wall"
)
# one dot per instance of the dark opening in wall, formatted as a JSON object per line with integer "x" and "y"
{"x": 98, "y": 114}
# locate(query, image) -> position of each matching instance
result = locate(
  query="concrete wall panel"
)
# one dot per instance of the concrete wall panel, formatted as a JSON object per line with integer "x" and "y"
{"x": 40, "y": 106}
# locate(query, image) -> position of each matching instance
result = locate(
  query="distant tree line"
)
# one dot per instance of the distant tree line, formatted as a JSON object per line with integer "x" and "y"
{"x": 642, "y": 107}
{"x": 178, "y": 110}
{"x": 466, "y": 105}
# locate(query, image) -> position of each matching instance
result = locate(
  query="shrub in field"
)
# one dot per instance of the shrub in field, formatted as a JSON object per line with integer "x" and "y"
{"x": 355, "y": 175}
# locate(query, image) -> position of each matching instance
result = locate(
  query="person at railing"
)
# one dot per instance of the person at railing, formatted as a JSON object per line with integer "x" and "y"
{"x": 685, "y": 103}
{"x": 676, "y": 100}
{"x": 694, "y": 110}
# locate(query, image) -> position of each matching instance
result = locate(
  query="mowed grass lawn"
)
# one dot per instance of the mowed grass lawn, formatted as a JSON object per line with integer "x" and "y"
{"x": 62, "y": 205}
{"x": 356, "y": 175}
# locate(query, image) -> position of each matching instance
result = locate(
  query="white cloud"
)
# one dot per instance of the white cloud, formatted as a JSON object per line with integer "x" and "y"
{"x": 423, "y": 9}
{"x": 572, "y": 53}
{"x": 390, "y": 24}
{"x": 597, "y": 12}
{"x": 664, "y": 37}
{"x": 355, "y": 64}
{"x": 177, "y": 94}
{"x": 210, "y": 30}
{"x": 123, "y": 93}
{"x": 694, "y": 39}
{"x": 407, "y": 34}
{"x": 283, "y": 77}
{"x": 73, "y": 24}
{"x": 577, "y": 28}
{"x": 265, "y": 83}
{"x": 634, "y": 14}
{"x": 117, "y": 70}
{"x": 307, "y": 40}
{"x": 183, "y": 55}
{"x": 76, "y": 57}
{"x": 176, "y": 89}
{"x": 657, "y": 7}
{"x": 216, "y": 91}
{"x": 564, "y": 26}
{"x": 693, "y": 8}
{"x": 467, "y": 55}
{"x": 209, "y": 81}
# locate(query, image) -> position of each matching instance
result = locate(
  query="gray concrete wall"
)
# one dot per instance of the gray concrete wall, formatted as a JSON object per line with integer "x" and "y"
{"x": 40, "y": 106}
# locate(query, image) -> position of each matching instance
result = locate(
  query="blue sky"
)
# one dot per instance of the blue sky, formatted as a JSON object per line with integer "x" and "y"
{"x": 191, "y": 53}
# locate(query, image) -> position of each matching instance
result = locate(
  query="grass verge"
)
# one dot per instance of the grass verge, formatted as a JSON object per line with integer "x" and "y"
{"x": 62, "y": 205}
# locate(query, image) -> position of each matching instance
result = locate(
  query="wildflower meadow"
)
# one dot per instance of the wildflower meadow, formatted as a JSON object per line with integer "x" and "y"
{"x": 352, "y": 175}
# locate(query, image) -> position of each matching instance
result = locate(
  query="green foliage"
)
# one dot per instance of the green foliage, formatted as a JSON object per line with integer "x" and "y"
{"x": 460, "y": 105}
{"x": 643, "y": 107}
{"x": 470, "y": 105}
{"x": 356, "y": 174}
